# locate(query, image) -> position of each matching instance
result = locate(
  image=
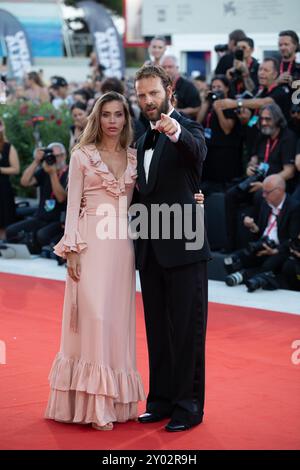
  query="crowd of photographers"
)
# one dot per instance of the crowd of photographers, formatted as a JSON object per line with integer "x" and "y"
{"x": 252, "y": 129}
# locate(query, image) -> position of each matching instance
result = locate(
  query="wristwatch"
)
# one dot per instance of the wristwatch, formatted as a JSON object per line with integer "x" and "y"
{"x": 240, "y": 103}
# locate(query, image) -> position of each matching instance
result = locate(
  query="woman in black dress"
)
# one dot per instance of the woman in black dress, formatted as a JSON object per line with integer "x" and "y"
{"x": 9, "y": 165}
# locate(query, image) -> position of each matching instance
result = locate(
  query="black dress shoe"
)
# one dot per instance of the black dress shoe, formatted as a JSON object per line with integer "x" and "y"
{"x": 177, "y": 426}
{"x": 150, "y": 417}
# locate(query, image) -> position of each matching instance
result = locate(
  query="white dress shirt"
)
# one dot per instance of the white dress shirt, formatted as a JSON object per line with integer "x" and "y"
{"x": 272, "y": 227}
{"x": 149, "y": 152}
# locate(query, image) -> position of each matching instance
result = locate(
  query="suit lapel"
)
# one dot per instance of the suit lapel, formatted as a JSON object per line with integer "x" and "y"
{"x": 283, "y": 214}
{"x": 265, "y": 215}
{"x": 140, "y": 164}
{"x": 147, "y": 187}
{"x": 155, "y": 162}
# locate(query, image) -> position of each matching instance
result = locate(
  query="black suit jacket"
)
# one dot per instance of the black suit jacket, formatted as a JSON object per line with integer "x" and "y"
{"x": 288, "y": 220}
{"x": 174, "y": 177}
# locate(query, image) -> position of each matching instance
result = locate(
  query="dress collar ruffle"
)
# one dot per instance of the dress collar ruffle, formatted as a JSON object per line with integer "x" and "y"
{"x": 114, "y": 186}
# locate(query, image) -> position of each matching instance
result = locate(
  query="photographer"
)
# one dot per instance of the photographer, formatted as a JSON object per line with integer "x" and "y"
{"x": 269, "y": 91}
{"x": 223, "y": 139}
{"x": 244, "y": 73}
{"x": 278, "y": 222}
{"x": 187, "y": 96}
{"x": 274, "y": 153}
{"x": 289, "y": 67}
{"x": 51, "y": 178}
{"x": 226, "y": 62}
{"x": 291, "y": 268}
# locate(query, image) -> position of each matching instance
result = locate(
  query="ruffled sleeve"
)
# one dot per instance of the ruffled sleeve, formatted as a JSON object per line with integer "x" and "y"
{"x": 72, "y": 240}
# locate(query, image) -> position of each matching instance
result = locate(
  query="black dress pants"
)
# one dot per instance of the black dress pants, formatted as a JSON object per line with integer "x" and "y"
{"x": 43, "y": 232}
{"x": 175, "y": 305}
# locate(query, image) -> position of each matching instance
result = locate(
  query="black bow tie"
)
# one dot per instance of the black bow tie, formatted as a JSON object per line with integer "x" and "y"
{"x": 151, "y": 139}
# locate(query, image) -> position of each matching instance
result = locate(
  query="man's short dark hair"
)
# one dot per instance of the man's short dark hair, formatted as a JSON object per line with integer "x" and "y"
{"x": 200, "y": 78}
{"x": 249, "y": 41}
{"x": 112, "y": 84}
{"x": 222, "y": 79}
{"x": 275, "y": 62}
{"x": 292, "y": 34}
{"x": 237, "y": 35}
{"x": 159, "y": 38}
{"x": 153, "y": 71}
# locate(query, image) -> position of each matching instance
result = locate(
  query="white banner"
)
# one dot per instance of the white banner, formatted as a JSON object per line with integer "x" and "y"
{"x": 219, "y": 16}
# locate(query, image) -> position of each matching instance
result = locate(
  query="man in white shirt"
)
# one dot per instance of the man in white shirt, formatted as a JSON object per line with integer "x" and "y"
{"x": 173, "y": 278}
{"x": 278, "y": 222}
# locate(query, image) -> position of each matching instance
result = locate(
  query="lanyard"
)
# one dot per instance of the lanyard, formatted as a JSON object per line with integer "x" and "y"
{"x": 52, "y": 195}
{"x": 272, "y": 226}
{"x": 289, "y": 70}
{"x": 270, "y": 149}
{"x": 208, "y": 120}
{"x": 268, "y": 91}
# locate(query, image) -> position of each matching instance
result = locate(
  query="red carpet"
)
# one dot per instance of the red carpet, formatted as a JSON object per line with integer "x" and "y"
{"x": 253, "y": 389}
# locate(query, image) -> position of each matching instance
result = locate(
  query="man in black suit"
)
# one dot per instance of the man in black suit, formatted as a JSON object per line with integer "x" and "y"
{"x": 278, "y": 221}
{"x": 173, "y": 275}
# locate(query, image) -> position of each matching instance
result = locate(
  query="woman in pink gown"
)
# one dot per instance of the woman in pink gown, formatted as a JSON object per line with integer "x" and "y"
{"x": 94, "y": 377}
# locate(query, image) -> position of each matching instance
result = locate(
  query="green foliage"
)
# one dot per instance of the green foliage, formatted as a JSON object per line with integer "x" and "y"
{"x": 22, "y": 119}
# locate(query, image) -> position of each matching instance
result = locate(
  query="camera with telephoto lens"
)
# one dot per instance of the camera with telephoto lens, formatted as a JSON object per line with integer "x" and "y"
{"x": 255, "y": 247}
{"x": 233, "y": 266}
{"x": 213, "y": 96}
{"x": 266, "y": 281}
{"x": 221, "y": 48}
{"x": 48, "y": 157}
{"x": 259, "y": 176}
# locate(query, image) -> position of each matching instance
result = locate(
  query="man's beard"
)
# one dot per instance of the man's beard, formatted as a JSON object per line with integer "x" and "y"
{"x": 268, "y": 131}
{"x": 288, "y": 56}
{"x": 164, "y": 108}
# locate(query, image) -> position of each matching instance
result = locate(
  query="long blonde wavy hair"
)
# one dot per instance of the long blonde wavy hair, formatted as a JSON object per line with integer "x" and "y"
{"x": 93, "y": 134}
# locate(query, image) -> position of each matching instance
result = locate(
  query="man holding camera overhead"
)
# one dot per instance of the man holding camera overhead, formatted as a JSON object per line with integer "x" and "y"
{"x": 223, "y": 138}
{"x": 273, "y": 153}
{"x": 243, "y": 74}
{"x": 49, "y": 172}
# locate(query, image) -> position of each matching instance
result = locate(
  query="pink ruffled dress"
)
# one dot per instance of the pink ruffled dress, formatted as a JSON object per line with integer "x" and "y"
{"x": 94, "y": 377}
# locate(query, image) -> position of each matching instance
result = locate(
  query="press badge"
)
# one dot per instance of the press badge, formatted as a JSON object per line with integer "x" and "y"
{"x": 49, "y": 205}
{"x": 208, "y": 133}
{"x": 253, "y": 121}
{"x": 264, "y": 167}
